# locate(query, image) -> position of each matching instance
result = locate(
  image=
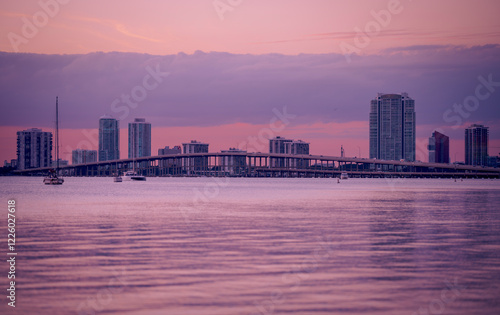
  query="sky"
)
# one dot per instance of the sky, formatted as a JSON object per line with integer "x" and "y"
{"x": 219, "y": 71}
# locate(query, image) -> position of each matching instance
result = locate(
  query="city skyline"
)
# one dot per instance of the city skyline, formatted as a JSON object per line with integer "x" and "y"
{"x": 226, "y": 147}
{"x": 390, "y": 107}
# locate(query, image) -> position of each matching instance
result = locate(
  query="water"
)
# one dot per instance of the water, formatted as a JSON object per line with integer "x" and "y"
{"x": 254, "y": 246}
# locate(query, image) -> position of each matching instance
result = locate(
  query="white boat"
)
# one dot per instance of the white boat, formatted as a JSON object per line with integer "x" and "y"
{"x": 131, "y": 175}
{"x": 344, "y": 175}
{"x": 52, "y": 178}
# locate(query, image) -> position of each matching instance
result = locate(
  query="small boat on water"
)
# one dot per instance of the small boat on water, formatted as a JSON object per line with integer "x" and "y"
{"x": 131, "y": 175}
{"x": 53, "y": 179}
{"x": 344, "y": 175}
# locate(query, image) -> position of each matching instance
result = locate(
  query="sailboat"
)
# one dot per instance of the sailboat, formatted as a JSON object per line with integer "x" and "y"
{"x": 52, "y": 178}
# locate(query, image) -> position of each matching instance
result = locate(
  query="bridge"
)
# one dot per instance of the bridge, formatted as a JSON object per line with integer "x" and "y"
{"x": 242, "y": 164}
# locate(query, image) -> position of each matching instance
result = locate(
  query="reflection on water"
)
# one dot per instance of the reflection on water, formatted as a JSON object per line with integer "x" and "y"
{"x": 256, "y": 246}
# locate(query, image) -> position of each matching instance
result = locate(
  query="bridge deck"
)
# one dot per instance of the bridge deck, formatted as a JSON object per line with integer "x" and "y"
{"x": 260, "y": 164}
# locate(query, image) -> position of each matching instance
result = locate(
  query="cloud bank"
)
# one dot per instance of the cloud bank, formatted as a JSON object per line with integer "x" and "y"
{"x": 211, "y": 89}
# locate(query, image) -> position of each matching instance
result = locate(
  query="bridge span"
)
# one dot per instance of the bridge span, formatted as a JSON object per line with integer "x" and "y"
{"x": 241, "y": 164}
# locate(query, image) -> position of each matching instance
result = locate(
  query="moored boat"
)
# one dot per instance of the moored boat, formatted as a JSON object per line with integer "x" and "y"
{"x": 131, "y": 175}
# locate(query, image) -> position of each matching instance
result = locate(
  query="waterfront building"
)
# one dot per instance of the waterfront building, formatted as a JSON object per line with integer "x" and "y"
{"x": 109, "y": 139}
{"x": 392, "y": 127}
{"x": 233, "y": 165}
{"x": 299, "y": 147}
{"x": 80, "y": 156}
{"x": 139, "y": 138}
{"x": 439, "y": 148}
{"x": 167, "y": 150}
{"x": 170, "y": 164}
{"x": 280, "y": 145}
{"x": 476, "y": 145}
{"x": 34, "y": 149}
{"x": 195, "y": 165}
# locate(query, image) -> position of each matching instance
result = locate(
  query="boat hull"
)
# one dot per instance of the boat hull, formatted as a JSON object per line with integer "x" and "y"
{"x": 53, "y": 181}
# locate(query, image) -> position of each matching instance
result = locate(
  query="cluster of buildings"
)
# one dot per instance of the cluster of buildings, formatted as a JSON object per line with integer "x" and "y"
{"x": 392, "y": 137}
{"x": 392, "y": 134}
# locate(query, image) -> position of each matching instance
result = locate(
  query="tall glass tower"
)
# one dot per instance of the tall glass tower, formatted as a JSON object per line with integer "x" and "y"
{"x": 139, "y": 138}
{"x": 476, "y": 145}
{"x": 439, "y": 148}
{"x": 109, "y": 139}
{"x": 392, "y": 127}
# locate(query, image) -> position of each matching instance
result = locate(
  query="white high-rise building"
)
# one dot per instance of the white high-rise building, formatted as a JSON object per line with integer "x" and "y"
{"x": 392, "y": 127}
{"x": 34, "y": 149}
{"x": 139, "y": 138}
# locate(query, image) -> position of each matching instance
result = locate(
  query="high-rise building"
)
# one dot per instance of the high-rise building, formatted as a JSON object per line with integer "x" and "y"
{"x": 109, "y": 139}
{"x": 195, "y": 165}
{"x": 233, "y": 165}
{"x": 392, "y": 127}
{"x": 439, "y": 148}
{"x": 167, "y": 165}
{"x": 80, "y": 156}
{"x": 139, "y": 138}
{"x": 299, "y": 147}
{"x": 34, "y": 149}
{"x": 280, "y": 145}
{"x": 476, "y": 145}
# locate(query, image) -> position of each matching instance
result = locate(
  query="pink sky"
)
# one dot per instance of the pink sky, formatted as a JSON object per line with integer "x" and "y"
{"x": 256, "y": 27}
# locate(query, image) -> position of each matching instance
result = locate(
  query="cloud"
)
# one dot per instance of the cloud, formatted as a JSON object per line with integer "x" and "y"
{"x": 111, "y": 24}
{"x": 211, "y": 89}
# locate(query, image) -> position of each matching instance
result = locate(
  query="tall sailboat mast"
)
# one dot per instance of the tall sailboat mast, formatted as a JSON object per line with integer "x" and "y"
{"x": 57, "y": 134}
{"x": 52, "y": 178}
